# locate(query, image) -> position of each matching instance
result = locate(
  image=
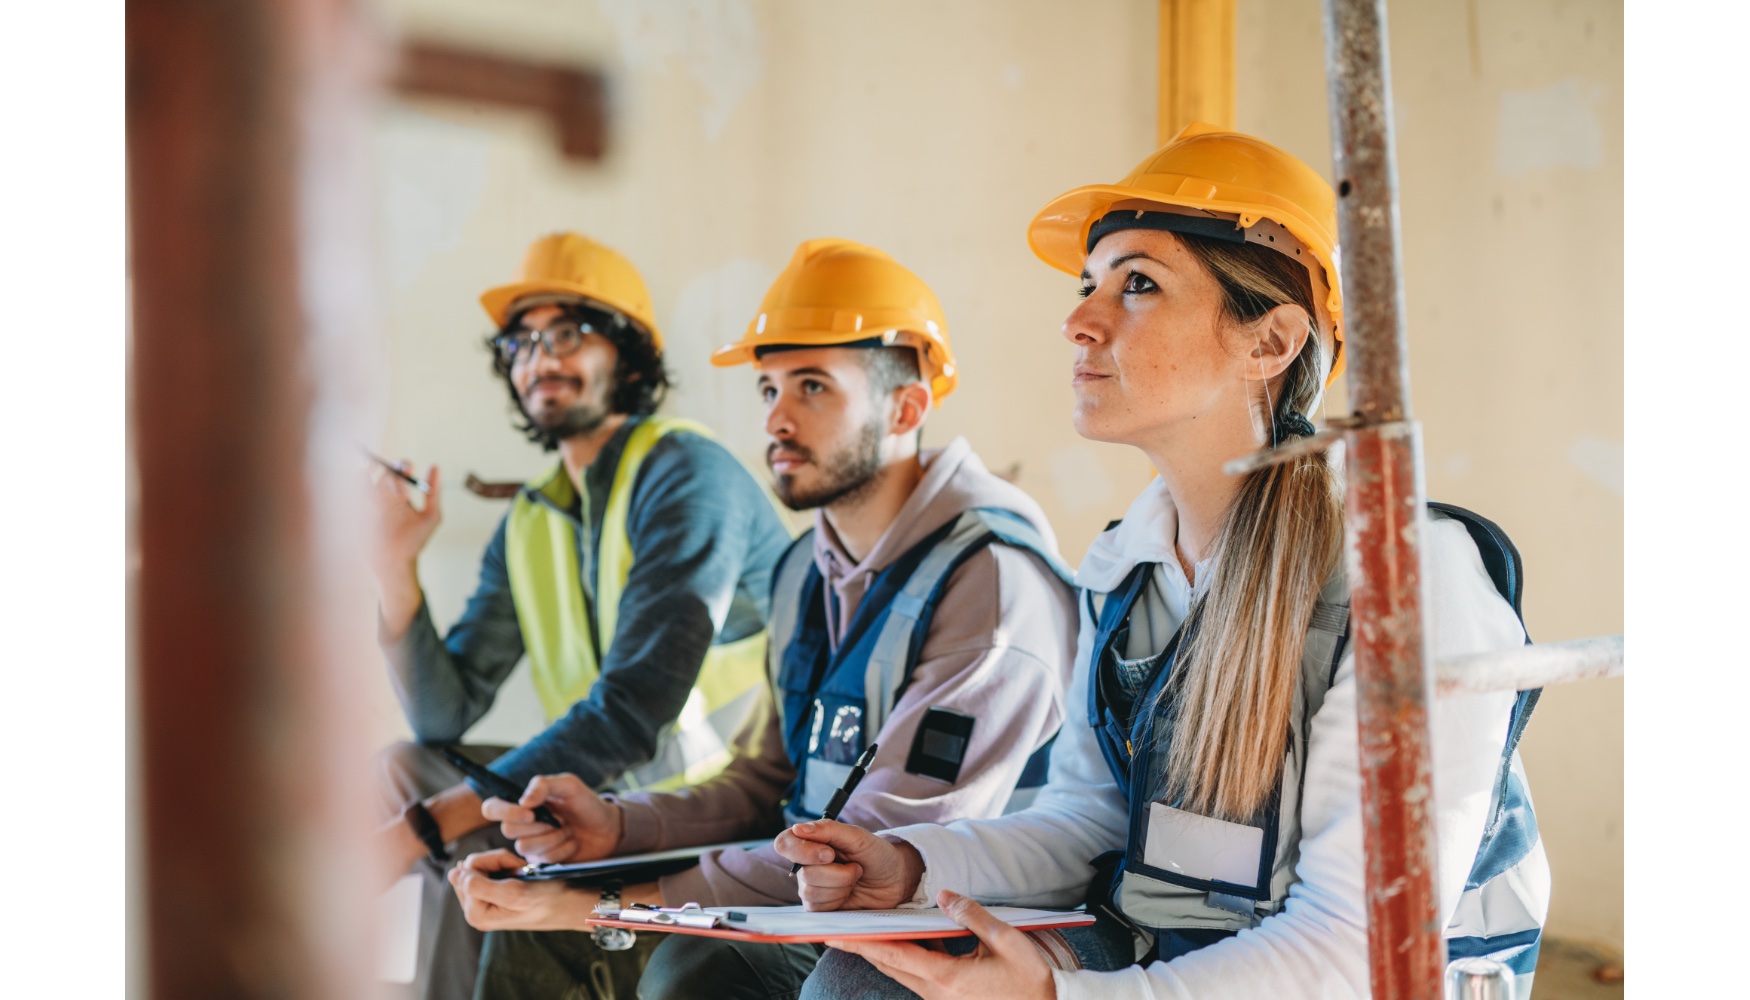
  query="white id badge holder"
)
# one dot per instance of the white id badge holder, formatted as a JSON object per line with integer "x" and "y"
{"x": 1203, "y": 852}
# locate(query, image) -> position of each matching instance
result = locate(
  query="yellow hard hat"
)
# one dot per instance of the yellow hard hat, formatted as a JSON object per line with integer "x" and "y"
{"x": 1211, "y": 174}
{"x": 840, "y": 292}
{"x": 567, "y": 264}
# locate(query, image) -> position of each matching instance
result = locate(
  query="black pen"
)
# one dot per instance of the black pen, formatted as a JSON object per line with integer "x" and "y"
{"x": 395, "y": 470}
{"x": 496, "y": 785}
{"x": 837, "y": 803}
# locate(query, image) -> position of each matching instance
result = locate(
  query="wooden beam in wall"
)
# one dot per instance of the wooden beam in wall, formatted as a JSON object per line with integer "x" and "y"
{"x": 1196, "y": 64}
{"x": 573, "y": 98}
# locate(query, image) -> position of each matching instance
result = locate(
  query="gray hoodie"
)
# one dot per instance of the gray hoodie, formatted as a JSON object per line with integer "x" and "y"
{"x": 1000, "y": 649}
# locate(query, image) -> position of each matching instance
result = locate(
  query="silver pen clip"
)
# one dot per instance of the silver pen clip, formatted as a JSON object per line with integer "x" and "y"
{"x": 690, "y": 915}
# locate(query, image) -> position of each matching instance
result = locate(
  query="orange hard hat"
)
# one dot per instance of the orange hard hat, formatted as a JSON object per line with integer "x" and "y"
{"x": 569, "y": 265}
{"x": 1208, "y": 175}
{"x": 838, "y": 292}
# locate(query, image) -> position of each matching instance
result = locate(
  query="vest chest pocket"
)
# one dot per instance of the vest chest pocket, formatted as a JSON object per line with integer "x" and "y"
{"x": 1202, "y": 848}
{"x": 1192, "y": 851}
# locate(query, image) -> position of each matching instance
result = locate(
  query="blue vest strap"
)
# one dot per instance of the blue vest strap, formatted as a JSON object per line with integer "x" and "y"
{"x": 1517, "y": 951}
{"x": 785, "y": 602}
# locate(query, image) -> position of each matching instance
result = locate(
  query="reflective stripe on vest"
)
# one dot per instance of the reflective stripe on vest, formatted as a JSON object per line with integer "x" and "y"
{"x": 541, "y": 559}
{"x": 830, "y": 704}
{"x": 1494, "y": 918}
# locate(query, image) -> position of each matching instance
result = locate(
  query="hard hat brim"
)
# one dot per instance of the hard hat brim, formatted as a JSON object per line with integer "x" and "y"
{"x": 730, "y": 355}
{"x": 1058, "y": 234}
{"x": 744, "y": 351}
{"x": 498, "y": 302}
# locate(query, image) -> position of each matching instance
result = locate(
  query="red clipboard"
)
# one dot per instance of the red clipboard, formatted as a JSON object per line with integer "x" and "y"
{"x": 1072, "y": 918}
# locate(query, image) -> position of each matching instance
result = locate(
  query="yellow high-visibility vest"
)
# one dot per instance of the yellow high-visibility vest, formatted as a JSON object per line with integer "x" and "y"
{"x": 541, "y": 560}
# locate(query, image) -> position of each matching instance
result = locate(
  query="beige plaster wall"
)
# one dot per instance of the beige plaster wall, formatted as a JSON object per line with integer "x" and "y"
{"x": 935, "y": 130}
{"x": 931, "y": 130}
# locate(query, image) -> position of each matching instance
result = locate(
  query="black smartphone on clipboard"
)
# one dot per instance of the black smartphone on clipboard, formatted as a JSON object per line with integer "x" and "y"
{"x": 496, "y": 785}
{"x": 624, "y": 868}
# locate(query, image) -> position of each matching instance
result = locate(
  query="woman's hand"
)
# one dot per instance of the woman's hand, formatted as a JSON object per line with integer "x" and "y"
{"x": 589, "y": 827}
{"x": 497, "y": 905}
{"x": 848, "y": 868}
{"x": 1005, "y": 965}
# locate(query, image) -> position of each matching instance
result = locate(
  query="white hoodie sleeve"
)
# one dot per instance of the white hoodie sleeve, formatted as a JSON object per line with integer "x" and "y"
{"x": 1037, "y": 857}
{"x": 1317, "y": 945}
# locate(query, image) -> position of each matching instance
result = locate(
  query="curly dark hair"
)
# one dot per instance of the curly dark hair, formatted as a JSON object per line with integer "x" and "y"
{"x": 641, "y": 381}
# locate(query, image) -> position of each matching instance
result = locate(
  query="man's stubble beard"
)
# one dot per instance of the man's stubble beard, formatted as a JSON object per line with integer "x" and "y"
{"x": 578, "y": 419}
{"x": 584, "y": 418}
{"x": 847, "y": 475}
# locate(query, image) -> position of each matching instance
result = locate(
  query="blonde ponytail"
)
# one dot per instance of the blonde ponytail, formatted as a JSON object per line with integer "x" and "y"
{"x": 1278, "y": 544}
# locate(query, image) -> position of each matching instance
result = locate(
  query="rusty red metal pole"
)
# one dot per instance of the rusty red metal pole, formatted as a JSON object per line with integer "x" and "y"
{"x": 214, "y": 317}
{"x": 1405, "y": 950}
{"x": 1385, "y": 499}
{"x": 236, "y": 176}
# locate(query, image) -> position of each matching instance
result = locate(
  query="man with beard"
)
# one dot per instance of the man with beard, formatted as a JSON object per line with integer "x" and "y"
{"x": 926, "y": 612}
{"x": 635, "y": 575}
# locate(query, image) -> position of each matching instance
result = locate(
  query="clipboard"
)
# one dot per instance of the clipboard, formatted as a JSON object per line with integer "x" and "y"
{"x": 625, "y": 868}
{"x": 794, "y": 925}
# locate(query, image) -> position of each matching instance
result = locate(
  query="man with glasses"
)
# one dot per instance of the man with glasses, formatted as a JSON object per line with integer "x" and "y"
{"x": 635, "y": 575}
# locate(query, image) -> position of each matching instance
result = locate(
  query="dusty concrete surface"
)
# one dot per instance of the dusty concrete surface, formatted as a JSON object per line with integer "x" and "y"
{"x": 1565, "y": 971}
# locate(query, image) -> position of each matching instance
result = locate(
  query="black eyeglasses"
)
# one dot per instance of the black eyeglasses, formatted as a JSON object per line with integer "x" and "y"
{"x": 560, "y": 339}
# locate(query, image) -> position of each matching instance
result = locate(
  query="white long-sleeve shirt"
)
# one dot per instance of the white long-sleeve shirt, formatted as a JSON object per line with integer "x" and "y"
{"x": 1317, "y": 945}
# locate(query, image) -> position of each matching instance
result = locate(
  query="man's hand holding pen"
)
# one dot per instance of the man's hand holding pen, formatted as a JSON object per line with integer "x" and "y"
{"x": 402, "y": 531}
{"x": 589, "y": 826}
{"x": 846, "y": 867}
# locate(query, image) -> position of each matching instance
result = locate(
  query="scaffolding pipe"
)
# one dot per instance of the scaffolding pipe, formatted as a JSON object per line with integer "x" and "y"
{"x": 1383, "y": 514}
{"x": 1528, "y": 667}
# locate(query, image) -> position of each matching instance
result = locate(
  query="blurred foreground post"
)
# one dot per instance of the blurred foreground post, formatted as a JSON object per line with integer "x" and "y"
{"x": 249, "y": 255}
{"x": 250, "y": 223}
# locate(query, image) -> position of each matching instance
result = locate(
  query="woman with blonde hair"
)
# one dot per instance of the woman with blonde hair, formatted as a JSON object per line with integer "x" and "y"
{"x": 1206, "y": 804}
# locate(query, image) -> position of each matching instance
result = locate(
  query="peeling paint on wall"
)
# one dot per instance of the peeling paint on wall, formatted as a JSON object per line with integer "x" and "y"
{"x": 1547, "y": 129}
{"x": 716, "y": 42}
